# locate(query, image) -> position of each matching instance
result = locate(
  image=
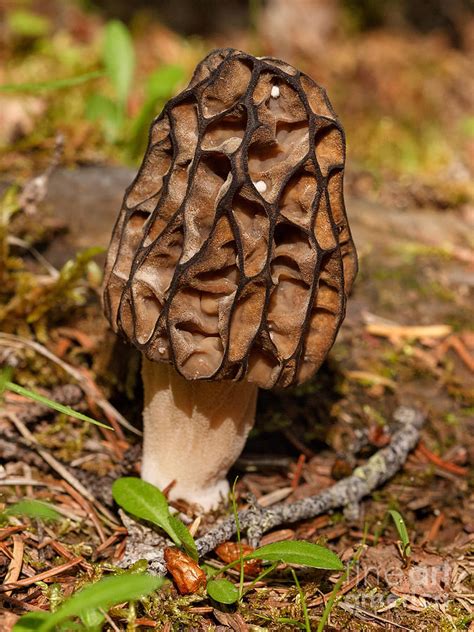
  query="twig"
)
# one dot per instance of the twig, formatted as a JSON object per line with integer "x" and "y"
{"x": 58, "y": 467}
{"x": 20, "y": 603}
{"x": 52, "y": 572}
{"x": 345, "y": 588}
{"x": 104, "y": 405}
{"x": 346, "y": 493}
{"x": 14, "y": 568}
{"x": 298, "y": 471}
{"x": 367, "y": 614}
{"x": 458, "y": 470}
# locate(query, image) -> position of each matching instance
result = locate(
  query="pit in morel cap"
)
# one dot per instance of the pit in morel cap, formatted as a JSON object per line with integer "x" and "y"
{"x": 231, "y": 260}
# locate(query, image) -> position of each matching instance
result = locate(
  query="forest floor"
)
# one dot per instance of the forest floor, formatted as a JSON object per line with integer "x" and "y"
{"x": 406, "y": 103}
{"x": 406, "y": 340}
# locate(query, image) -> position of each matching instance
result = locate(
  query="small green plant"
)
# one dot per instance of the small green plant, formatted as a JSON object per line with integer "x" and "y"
{"x": 88, "y": 604}
{"x": 118, "y": 59}
{"x": 223, "y": 591}
{"x": 7, "y": 385}
{"x": 147, "y": 502}
{"x": 404, "y": 544}
{"x": 304, "y": 607}
{"x": 297, "y": 552}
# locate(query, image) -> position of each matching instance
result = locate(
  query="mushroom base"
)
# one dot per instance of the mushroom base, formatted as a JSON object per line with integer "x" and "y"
{"x": 193, "y": 432}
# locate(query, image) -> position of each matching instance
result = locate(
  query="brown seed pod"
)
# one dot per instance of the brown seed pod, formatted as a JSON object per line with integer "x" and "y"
{"x": 187, "y": 575}
{"x": 232, "y": 256}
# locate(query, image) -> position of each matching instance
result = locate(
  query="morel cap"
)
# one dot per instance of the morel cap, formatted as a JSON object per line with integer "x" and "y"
{"x": 232, "y": 256}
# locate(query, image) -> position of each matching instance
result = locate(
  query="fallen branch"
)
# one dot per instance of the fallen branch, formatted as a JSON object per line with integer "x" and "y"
{"x": 257, "y": 520}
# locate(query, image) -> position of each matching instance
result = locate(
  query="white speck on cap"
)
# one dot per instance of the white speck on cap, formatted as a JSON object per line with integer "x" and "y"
{"x": 161, "y": 350}
{"x": 261, "y": 186}
{"x": 275, "y": 92}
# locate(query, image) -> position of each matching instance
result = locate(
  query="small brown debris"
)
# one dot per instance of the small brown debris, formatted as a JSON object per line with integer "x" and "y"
{"x": 405, "y": 331}
{"x": 441, "y": 463}
{"x": 187, "y": 575}
{"x": 298, "y": 471}
{"x": 230, "y": 552}
{"x": 378, "y": 435}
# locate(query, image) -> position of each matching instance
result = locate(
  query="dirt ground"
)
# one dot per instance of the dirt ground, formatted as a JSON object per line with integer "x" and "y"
{"x": 416, "y": 270}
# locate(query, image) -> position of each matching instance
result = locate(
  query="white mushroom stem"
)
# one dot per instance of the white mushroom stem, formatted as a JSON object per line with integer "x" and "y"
{"x": 193, "y": 432}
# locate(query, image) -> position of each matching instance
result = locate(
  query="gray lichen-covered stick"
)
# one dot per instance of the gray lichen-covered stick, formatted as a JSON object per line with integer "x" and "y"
{"x": 257, "y": 520}
{"x": 230, "y": 262}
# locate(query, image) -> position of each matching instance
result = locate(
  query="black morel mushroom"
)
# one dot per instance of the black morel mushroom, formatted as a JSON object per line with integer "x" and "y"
{"x": 230, "y": 262}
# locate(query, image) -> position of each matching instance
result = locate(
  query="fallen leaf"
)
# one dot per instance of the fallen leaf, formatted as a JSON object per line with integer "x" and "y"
{"x": 428, "y": 575}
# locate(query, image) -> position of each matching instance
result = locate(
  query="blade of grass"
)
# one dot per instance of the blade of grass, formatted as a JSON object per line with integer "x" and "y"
{"x": 259, "y": 577}
{"x": 304, "y": 607}
{"x": 330, "y": 603}
{"x": 56, "y": 84}
{"x": 19, "y": 390}
{"x": 402, "y": 531}
{"x": 237, "y": 526}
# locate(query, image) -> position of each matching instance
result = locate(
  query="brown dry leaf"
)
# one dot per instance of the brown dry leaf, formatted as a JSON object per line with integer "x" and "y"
{"x": 230, "y": 552}
{"x": 234, "y": 621}
{"x": 187, "y": 575}
{"x": 428, "y": 575}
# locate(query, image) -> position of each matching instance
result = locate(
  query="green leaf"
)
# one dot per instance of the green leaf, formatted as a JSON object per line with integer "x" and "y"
{"x": 105, "y": 593}
{"x": 30, "y": 621}
{"x": 185, "y": 537}
{"x": 223, "y": 591}
{"x": 33, "y": 509}
{"x": 298, "y": 552}
{"x": 19, "y": 390}
{"x": 27, "y": 24}
{"x": 148, "y": 503}
{"x": 141, "y": 499}
{"x": 162, "y": 82}
{"x": 402, "y": 530}
{"x": 119, "y": 58}
{"x": 161, "y": 85}
{"x": 56, "y": 84}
